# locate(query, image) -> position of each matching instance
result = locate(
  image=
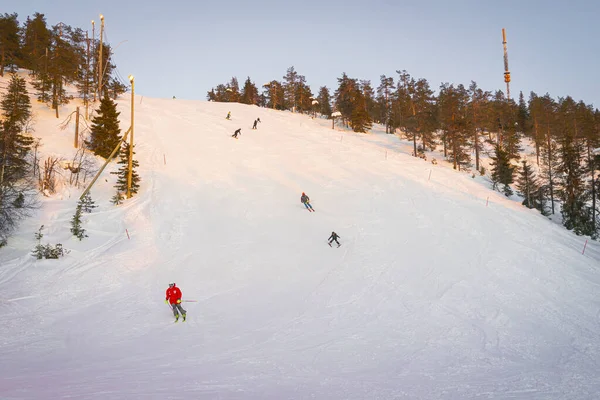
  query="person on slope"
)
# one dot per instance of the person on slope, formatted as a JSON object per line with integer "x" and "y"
{"x": 256, "y": 121}
{"x": 306, "y": 201}
{"x": 228, "y": 115}
{"x": 173, "y": 298}
{"x": 334, "y": 236}
{"x": 236, "y": 133}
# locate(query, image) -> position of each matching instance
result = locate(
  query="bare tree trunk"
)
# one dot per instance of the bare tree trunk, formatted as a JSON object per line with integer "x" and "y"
{"x": 550, "y": 168}
{"x": 2, "y": 63}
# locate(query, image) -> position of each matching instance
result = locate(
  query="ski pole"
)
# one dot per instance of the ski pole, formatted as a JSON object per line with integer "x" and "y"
{"x": 189, "y": 301}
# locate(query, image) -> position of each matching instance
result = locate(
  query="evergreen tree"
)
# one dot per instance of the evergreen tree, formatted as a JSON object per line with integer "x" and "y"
{"x": 105, "y": 133}
{"x": 384, "y": 102}
{"x": 76, "y": 228}
{"x": 359, "y": 118}
{"x": 324, "y": 99}
{"x": 87, "y": 204}
{"x": 547, "y": 109}
{"x": 14, "y": 144}
{"x": 369, "y": 95}
{"x": 9, "y": 40}
{"x": 575, "y": 211}
{"x": 274, "y": 94}
{"x": 523, "y": 115}
{"x": 290, "y": 87}
{"x": 478, "y": 103}
{"x": 122, "y": 173}
{"x": 529, "y": 188}
{"x": 16, "y": 106}
{"x": 36, "y": 41}
{"x": 502, "y": 171}
{"x": 233, "y": 91}
{"x": 249, "y": 93}
{"x": 452, "y": 115}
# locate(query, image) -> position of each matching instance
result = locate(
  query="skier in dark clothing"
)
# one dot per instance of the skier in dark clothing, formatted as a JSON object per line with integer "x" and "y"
{"x": 256, "y": 121}
{"x": 306, "y": 201}
{"x": 173, "y": 298}
{"x": 236, "y": 133}
{"x": 334, "y": 236}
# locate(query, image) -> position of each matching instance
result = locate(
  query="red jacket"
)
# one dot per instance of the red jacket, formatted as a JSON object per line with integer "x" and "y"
{"x": 173, "y": 294}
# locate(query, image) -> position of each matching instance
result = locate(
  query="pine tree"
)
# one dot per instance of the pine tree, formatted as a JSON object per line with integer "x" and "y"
{"x": 16, "y": 106}
{"x": 502, "y": 171}
{"x": 575, "y": 211}
{"x": 290, "y": 86}
{"x": 324, "y": 99}
{"x": 523, "y": 115}
{"x": 528, "y": 187}
{"x": 249, "y": 93}
{"x": 87, "y": 204}
{"x": 36, "y": 39}
{"x": 274, "y": 94}
{"x": 14, "y": 144}
{"x": 9, "y": 40}
{"x": 478, "y": 103}
{"x": 123, "y": 172}
{"x": 452, "y": 115}
{"x": 105, "y": 132}
{"x": 384, "y": 102}
{"x": 76, "y": 228}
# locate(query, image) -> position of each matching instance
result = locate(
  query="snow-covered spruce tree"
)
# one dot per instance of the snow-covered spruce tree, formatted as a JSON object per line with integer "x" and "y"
{"x": 123, "y": 171}
{"x": 87, "y": 204}
{"x": 105, "y": 132}
{"x": 76, "y": 228}
{"x": 502, "y": 171}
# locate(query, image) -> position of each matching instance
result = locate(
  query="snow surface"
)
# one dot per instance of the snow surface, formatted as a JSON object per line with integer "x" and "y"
{"x": 432, "y": 295}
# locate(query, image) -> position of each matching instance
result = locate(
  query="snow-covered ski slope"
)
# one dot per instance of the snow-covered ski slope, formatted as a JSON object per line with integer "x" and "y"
{"x": 433, "y": 294}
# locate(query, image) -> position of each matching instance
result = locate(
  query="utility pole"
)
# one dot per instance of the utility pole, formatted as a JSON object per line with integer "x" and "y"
{"x": 87, "y": 75}
{"x": 100, "y": 66}
{"x": 94, "y": 52}
{"x": 76, "y": 143}
{"x": 506, "y": 71}
{"x": 130, "y": 166}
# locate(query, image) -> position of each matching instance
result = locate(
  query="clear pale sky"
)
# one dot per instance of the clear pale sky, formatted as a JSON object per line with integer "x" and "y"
{"x": 184, "y": 48}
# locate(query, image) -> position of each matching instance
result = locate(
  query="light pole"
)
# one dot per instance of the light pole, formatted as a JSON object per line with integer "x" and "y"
{"x": 130, "y": 171}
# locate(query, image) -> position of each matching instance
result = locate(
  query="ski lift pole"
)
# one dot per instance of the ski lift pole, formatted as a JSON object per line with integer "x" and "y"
{"x": 105, "y": 164}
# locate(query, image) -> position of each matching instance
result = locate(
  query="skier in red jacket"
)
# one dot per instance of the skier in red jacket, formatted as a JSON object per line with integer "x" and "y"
{"x": 173, "y": 298}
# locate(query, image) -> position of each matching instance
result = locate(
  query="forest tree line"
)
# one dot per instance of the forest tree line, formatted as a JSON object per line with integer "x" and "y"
{"x": 564, "y": 132}
{"x": 56, "y": 57}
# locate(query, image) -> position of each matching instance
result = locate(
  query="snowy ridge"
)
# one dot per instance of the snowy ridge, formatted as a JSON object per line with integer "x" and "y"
{"x": 432, "y": 295}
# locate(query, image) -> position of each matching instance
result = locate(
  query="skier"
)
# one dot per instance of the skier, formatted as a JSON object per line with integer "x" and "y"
{"x": 334, "y": 236}
{"x": 173, "y": 298}
{"x": 256, "y": 121}
{"x": 228, "y": 115}
{"x": 236, "y": 133}
{"x": 306, "y": 201}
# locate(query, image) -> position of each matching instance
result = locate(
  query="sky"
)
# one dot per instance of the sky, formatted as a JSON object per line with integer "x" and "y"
{"x": 185, "y": 48}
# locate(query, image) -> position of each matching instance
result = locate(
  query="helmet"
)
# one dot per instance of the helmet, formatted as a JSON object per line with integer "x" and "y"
{"x": 303, "y": 193}
{"x": 171, "y": 284}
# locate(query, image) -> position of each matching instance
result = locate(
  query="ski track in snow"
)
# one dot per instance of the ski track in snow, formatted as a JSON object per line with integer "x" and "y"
{"x": 432, "y": 295}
